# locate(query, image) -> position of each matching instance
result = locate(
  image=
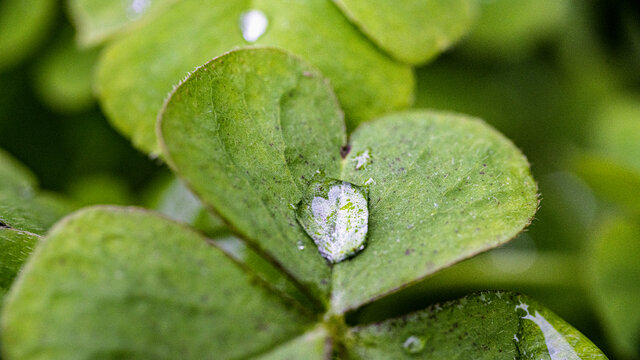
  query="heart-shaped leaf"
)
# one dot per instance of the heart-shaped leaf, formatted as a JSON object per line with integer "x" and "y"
{"x": 443, "y": 187}
{"x": 99, "y": 20}
{"x": 412, "y": 31}
{"x": 249, "y": 130}
{"x": 117, "y": 282}
{"x": 245, "y": 131}
{"x": 488, "y": 325}
{"x": 137, "y": 72}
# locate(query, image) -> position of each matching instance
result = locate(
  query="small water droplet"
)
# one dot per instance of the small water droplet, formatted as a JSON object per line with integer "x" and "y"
{"x": 362, "y": 159}
{"x": 413, "y": 344}
{"x": 300, "y": 245}
{"x": 135, "y": 8}
{"x": 335, "y": 215}
{"x": 370, "y": 181}
{"x": 253, "y": 24}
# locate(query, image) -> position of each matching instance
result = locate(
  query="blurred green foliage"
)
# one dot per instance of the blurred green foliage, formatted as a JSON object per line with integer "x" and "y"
{"x": 559, "y": 78}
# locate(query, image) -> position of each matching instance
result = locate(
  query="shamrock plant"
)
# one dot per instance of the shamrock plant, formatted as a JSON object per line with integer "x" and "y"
{"x": 345, "y": 219}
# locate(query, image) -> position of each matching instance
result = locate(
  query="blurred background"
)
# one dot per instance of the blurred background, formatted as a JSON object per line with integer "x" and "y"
{"x": 560, "y": 78}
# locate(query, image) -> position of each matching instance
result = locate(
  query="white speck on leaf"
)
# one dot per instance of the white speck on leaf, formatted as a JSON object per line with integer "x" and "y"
{"x": 557, "y": 345}
{"x": 253, "y": 24}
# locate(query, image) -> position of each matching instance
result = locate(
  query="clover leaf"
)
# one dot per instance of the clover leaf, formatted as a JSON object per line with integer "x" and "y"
{"x": 137, "y": 71}
{"x": 412, "y": 31}
{"x": 250, "y": 129}
{"x": 250, "y": 132}
{"x": 139, "y": 285}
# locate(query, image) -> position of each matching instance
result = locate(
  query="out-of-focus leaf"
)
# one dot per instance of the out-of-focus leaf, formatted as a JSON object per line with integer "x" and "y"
{"x": 13, "y": 175}
{"x": 412, "y": 31}
{"x": 101, "y": 189}
{"x": 99, "y": 20}
{"x": 64, "y": 76}
{"x": 172, "y": 198}
{"x": 23, "y": 25}
{"x": 511, "y": 29}
{"x": 610, "y": 180}
{"x": 615, "y": 131}
{"x": 137, "y": 72}
{"x": 118, "y": 282}
{"x": 488, "y": 325}
{"x": 615, "y": 278}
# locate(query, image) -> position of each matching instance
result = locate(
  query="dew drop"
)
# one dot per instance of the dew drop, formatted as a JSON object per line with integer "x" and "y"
{"x": 135, "y": 8}
{"x": 300, "y": 245}
{"x": 335, "y": 215}
{"x": 253, "y": 24}
{"x": 413, "y": 344}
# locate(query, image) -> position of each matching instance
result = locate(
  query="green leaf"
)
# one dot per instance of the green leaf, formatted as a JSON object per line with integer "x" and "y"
{"x": 313, "y": 345}
{"x": 101, "y": 189}
{"x": 511, "y": 29}
{"x": 136, "y": 73}
{"x": 173, "y": 199}
{"x": 23, "y": 25}
{"x": 609, "y": 179}
{"x": 615, "y": 128}
{"x": 122, "y": 282}
{"x": 33, "y": 212}
{"x": 99, "y": 20}
{"x": 14, "y": 176}
{"x": 63, "y": 76}
{"x": 614, "y": 277}
{"x": 22, "y": 205}
{"x": 412, "y": 31}
{"x": 15, "y": 247}
{"x": 245, "y": 131}
{"x": 250, "y": 129}
{"x": 442, "y": 187}
{"x": 488, "y": 325}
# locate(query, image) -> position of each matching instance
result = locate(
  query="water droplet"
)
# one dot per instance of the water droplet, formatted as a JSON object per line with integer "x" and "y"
{"x": 335, "y": 215}
{"x": 253, "y": 24}
{"x": 370, "y": 181}
{"x": 362, "y": 159}
{"x": 413, "y": 344}
{"x": 300, "y": 245}
{"x": 135, "y": 8}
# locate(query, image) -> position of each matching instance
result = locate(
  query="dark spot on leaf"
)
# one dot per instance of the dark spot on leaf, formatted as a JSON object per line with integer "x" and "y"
{"x": 481, "y": 172}
{"x": 344, "y": 151}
